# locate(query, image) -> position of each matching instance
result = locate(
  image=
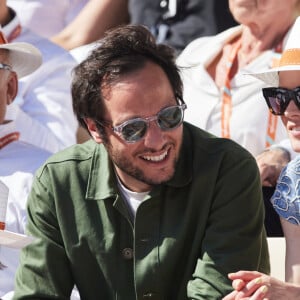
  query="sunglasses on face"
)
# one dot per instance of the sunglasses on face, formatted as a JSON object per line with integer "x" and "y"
{"x": 5, "y": 67}
{"x": 278, "y": 98}
{"x": 133, "y": 130}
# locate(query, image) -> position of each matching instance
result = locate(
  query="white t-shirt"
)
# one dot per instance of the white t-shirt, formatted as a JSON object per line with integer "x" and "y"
{"x": 133, "y": 199}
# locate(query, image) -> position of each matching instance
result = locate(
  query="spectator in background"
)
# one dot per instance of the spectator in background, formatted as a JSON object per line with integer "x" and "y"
{"x": 93, "y": 20}
{"x": 173, "y": 22}
{"x": 47, "y": 17}
{"x": 225, "y": 102}
{"x": 147, "y": 191}
{"x": 43, "y": 103}
{"x": 283, "y": 98}
{"x": 18, "y": 160}
{"x": 176, "y": 22}
{"x": 206, "y": 78}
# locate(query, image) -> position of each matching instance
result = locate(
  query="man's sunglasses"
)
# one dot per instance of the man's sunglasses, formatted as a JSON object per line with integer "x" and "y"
{"x": 133, "y": 130}
{"x": 279, "y": 98}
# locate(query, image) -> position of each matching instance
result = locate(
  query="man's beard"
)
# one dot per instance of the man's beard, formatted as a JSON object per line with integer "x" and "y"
{"x": 127, "y": 167}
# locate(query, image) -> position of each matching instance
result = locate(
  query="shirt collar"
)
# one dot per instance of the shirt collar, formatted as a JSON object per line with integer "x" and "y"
{"x": 13, "y": 26}
{"x": 7, "y": 128}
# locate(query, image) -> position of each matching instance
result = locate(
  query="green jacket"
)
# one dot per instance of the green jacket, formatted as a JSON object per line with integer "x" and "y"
{"x": 187, "y": 235}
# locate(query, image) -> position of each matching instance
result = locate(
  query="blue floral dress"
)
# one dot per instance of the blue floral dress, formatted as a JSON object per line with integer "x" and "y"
{"x": 286, "y": 198}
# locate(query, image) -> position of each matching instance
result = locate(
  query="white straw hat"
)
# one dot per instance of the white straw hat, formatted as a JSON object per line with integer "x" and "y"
{"x": 14, "y": 240}
{"x": 290, "y": 58}
{"x": 24, "y": 57}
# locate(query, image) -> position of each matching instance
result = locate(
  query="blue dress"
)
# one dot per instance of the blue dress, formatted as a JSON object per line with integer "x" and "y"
{"x": 286, "y": 198}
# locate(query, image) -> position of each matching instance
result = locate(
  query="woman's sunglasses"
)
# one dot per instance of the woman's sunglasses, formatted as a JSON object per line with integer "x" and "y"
{"x": 279, "y": 98}
{"x": 133, "y": 130}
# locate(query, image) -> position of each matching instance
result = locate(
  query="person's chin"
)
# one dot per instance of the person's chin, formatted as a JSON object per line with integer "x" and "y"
{"x": 296, "y": 145}
{"x": 162, "y": 176}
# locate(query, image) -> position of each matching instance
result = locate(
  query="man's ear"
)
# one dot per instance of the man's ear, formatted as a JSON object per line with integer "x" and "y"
{"x": 92, "y": 128}
{"x": 12, "y": 87}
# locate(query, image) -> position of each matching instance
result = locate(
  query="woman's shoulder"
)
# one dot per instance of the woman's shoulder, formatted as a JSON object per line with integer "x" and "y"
{"x": 286, "y": 198}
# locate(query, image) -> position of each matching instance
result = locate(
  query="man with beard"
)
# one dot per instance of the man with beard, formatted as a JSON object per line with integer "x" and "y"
{"x": 151, "y": 207}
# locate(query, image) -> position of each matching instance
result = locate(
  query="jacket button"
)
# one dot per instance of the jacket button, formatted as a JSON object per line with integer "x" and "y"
{"x": 127, "y": 253}
{"x": 163, "y": 4}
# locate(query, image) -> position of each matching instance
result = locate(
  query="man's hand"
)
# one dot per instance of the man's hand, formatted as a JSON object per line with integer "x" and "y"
{"x": 270, "y": 163}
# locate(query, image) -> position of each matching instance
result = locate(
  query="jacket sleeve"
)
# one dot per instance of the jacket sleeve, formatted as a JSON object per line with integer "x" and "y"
{"x": 234, "y": 236}
{"x": 44, "y": 271}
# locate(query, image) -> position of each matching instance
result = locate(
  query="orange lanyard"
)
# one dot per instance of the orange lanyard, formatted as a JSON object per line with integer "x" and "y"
{"x": 227, "y": 101}
{"x": 14, "y": 136}
{"x": 2, "y": 225}
{"x": 226, "y": 91}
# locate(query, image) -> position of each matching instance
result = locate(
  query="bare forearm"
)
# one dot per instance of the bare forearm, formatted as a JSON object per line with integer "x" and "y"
{"x": 91, "y": 23}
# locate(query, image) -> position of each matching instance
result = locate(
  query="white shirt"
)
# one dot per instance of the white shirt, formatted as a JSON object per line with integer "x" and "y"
{"x": 46, "y": 17}
{"x": 249, "y": 120}
{"x": 133, "y": 199}
{"x": 18, "y": 163}
{"x": 43, "y": 107}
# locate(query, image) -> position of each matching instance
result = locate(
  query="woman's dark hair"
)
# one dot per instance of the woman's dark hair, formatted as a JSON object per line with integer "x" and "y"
{"x": 123, "y": 50}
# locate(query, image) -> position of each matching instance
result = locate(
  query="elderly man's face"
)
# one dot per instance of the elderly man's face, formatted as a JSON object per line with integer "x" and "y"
{"x": 151, "y": 160}
{"x": 263, "y": 12}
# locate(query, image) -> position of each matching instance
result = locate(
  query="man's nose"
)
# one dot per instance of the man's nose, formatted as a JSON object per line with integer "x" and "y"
{"x": 154, "y": 137}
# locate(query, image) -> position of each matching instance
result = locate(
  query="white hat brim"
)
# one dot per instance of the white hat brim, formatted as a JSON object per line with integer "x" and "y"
{"x": 271, "y": 77}
{"x": 24, "y": 57}
{"x": 14, "y": 240}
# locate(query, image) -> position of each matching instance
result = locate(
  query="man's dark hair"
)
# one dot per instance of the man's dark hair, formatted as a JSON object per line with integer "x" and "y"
{"x": 123, "y": 50}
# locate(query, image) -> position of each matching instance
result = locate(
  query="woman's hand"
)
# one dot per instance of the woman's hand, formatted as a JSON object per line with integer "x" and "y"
{"x": 253, "y": 285}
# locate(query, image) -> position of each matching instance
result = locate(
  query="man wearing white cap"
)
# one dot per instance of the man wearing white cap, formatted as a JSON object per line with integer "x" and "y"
{"x": 43, "y": 107}
{"x": 283, "y": 99}
{"x": 18, "y": 160}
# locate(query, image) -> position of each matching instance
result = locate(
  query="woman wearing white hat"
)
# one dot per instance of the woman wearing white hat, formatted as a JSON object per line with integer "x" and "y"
{"x": 221, "y": 99}
{"x": 283, "y": 99}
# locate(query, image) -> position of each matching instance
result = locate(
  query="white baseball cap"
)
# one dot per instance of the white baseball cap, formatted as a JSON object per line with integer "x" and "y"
{"x": 290, "y": 58}
{"x": 24, "y": 57}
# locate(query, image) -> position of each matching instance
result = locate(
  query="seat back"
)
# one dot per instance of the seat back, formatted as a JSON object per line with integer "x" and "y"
{"x": 277, "y": 256}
